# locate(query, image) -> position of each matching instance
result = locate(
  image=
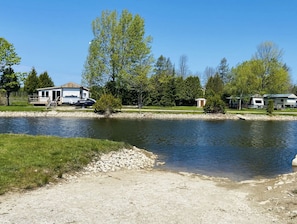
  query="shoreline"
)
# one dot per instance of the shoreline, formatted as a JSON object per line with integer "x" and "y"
{"x": 149, "y": 115}
{"x": 114, "y": 189}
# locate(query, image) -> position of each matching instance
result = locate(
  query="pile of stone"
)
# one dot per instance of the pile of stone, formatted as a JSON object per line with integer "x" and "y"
{"x": 134, "y": 158}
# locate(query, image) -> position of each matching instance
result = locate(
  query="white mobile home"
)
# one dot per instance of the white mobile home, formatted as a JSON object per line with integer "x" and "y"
{"x": 69, "y": 93}
{"x": 281, "y": 100}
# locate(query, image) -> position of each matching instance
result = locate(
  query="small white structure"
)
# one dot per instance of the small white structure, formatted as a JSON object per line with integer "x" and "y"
{"x": 68, "y": 93}
{"x": 256, "y": 101}
{"x": 294, "y": 161}
{"x": 200, "y": 102}
{"x": 281, "y": 100}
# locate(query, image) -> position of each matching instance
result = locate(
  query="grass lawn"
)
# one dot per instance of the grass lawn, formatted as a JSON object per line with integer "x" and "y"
{"x": 28, "y": 162}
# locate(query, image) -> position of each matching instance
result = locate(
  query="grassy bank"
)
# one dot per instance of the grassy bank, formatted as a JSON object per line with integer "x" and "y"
{"x": 28, "y": 161}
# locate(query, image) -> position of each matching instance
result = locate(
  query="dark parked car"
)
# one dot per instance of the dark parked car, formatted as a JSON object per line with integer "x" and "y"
{"x": 85, "y": 102}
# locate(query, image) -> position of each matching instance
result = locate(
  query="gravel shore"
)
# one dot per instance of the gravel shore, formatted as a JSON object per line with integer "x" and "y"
{"x": 148, "y": 115}
{"x": 138, "y": 193}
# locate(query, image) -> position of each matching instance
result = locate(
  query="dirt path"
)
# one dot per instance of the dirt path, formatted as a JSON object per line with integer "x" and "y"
{"x": 145, "y": 197}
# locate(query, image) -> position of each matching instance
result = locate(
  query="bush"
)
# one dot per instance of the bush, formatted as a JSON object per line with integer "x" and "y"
{"x": 107, "y": 104}
{"x": 270, "y": 107}
{"x": 214, "y": 104}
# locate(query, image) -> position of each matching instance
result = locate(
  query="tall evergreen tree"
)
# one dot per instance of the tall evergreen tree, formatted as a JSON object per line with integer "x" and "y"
{"x": 193, "y": 89}
{"x": 45, "y": 80}
{"x": 223, "y": 70}
{"x": 32, "y": 82}
{"x": 214, "y": 85}
{"x": 9, "y": 82}
{"x": 162, "y": 87}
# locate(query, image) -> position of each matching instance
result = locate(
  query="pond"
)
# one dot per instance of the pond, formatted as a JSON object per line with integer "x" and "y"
{"x": 230, "y": 148}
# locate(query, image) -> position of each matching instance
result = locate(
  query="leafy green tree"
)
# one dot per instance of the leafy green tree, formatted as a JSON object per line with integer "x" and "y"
{"x": 32, "y": 82}
{"x": 139, "y": 67}
{"x": 244, "y": 79}
{"x": 119, "y": 53}
{"x": 45, "y": 81}
{"x": 275, "y": 74}
{"x": 278, "y": 80}
{"x": 9, "y": 82}
{"x": 8, "y": 56}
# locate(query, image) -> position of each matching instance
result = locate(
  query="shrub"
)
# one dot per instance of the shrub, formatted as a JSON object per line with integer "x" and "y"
{"x": 214, "y": 104}
{"x": 270, "y": 107}
{"x": 107, "y": 104}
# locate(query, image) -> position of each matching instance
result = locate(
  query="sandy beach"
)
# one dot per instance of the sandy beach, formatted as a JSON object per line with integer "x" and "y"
{"x": 152, "y": 196}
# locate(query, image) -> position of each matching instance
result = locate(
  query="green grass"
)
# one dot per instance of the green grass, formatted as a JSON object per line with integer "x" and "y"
{"x": 19, "y": 104}
{"x": 15, "y": 108}
{"x": 27, "y": 162}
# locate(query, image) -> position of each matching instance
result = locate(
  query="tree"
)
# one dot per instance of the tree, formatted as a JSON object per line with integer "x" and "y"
{"x": 268, "y": 51}
{"x": 246, "y": 79}
{"x": 275, "y": 74}
{"x": 183, "y": 66}
{"x": 119, "y": 47}
{"x": 214, "y": 85}
{"x": 45, "y": 81}
{"x": 136, "y": 73}
{"x": 223, "y": 70}
{"x": 9, "y": 82}
{"x": 214, "y": 104}
{"x": 208, "y": 72}
{"x": 192, "y": 90}
{"x": 278, "y": 80}
{"x": 162, "y": 87}
{"x": 107, "y": 104}
{"x": 270, "y": 107}
{"x": 31, "y": 82}
{"x": 8, "y": 56}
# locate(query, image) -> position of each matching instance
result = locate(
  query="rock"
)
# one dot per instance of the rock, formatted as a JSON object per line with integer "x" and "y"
{"x": 294, "y": 161}
{"x": 123, "y": 159}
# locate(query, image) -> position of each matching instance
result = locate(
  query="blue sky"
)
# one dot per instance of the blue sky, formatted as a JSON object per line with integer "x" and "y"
{"x": 53, "y": 35}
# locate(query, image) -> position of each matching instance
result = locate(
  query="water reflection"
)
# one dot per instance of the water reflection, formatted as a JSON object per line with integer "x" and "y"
{"x": 236, "y": 149}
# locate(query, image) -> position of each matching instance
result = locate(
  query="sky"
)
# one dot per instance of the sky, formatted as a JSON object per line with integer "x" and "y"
{"x": 54, "y": 35}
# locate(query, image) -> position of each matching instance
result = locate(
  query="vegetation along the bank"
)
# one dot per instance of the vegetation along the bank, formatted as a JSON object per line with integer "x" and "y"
{"x": 120, "y": 63}
{"x": 33, "y": 161}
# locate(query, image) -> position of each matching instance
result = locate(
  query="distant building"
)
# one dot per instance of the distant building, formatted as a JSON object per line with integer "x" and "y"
{"x": 257, "y": 101}
{"x": 200, "y": 102}
{"x": 68, "y": 93}
{"x": 281, "y": 100}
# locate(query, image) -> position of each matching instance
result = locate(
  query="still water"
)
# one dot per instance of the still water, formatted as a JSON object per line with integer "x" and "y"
{"x": 236, "y": 149}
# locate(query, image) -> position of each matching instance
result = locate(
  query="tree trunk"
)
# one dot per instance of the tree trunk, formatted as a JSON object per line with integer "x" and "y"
{"x": 7, "y": 98}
